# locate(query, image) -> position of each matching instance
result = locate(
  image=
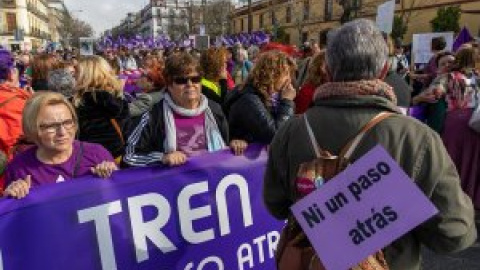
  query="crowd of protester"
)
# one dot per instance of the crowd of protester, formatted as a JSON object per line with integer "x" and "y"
{"x": 63, "y": 116}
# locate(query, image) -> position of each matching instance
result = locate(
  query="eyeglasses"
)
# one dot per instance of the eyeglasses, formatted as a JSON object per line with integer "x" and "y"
{"x": 54, "y": 127}
{"x": 184, "y": 80}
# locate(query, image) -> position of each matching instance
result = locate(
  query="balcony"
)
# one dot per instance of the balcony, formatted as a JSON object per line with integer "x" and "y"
{"x": 33, "y": 9}
{"x": 8, "y": 4}
{"x": 34, "y": 32}
{"x": 6, "y": 33}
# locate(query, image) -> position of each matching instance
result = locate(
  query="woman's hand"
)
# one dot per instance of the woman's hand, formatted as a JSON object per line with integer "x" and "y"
{"x": 174, "y": 159}
{"x": 288, "y": 91}
{"x": 238, "y": 147}
{"x": 104, "y": 169}
{"x": 19, "y": 189}
{"x": 426, "y": 96}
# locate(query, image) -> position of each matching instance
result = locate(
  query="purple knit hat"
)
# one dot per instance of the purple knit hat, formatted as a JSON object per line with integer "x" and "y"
{"x": 7, "y": 62}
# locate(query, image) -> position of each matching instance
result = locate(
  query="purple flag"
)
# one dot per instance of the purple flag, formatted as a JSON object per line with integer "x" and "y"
{"x": 462, "y": 38}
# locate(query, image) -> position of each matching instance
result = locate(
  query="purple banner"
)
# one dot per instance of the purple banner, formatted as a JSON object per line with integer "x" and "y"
{"x": 207, "y": 214}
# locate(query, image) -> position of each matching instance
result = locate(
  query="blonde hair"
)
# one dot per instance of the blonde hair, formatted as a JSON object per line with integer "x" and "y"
{"x": 94, "y": 74}
{"x": 37, "y": 102}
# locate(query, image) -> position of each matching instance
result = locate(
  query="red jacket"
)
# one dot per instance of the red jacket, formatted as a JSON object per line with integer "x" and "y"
{"x": 304, "y": 98}
{"x": 12, "y": 101}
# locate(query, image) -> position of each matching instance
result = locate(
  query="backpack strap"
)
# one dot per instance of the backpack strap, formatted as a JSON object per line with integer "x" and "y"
{"x": 117, "y": 129}
{"x": 350, "y": 147}
{"x": 347, "y": 151}
{"x": 311, "y": 136}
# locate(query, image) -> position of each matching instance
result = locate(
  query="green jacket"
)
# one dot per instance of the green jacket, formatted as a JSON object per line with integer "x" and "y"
{"x": 418, "y": 150}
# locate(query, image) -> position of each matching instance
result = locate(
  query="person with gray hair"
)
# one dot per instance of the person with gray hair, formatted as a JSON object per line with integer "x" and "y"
{"x": 62, "y": 81}
{"x": 357, "y": 63}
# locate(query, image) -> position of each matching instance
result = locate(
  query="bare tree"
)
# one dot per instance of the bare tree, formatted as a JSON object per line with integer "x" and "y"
{"x": 72, "y": 29}
{"x": 216, "y": 17}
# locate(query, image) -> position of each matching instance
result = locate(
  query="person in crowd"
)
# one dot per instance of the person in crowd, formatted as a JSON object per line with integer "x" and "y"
{"x": 253, "y": 52}
{"x": 354, "y": 96}
{"x": 70, "y": 66}
{"x": 265, "y": 101}
{"x": 127, "y": 60}
{"x": 460, "y": 90}
{"x": 62, "y": 81}
{"x": 41, "y": 65}
{"x": 113, "y": 60}
{"x": 316, "y": 76}
{"x": 438, "y": 45}
{"x": 102, "y": 109}
{"x": 12, "y": 101}
{"x": 184, "y": 124}
{"x": 152, "y": 84}
{"x": 214, "y": 81}
{"x": 432, "y": 99}
{"x": 49, "y": 120}
{"x": 303, "y": 63}
{"x": 242, "y": 66}
{"x": 395, "y": 77}
{"x": 398, "y": 61}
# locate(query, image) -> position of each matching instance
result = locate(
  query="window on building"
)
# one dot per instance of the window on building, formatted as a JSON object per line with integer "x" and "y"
{"x": 397, "y": 1}
{"x": 288, "y": 15}
{"x": 306, "y": 10}
{"x": 304, "y": 36}
{"x": 241, "y": 25}
{"x": 328, "y": 10}
{"x": 11, "y": 21}
{"x": 260, "y": 20}
{"x": 274, "y": 19}
{"x": 287, "y": 38}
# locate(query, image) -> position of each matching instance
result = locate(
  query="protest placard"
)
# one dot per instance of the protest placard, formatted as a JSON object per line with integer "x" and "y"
{"x": 86, "y": 46}
{"x": 362, "y": 210}
{"x": 421, "y": 45}
{"x": 385, "y": 13}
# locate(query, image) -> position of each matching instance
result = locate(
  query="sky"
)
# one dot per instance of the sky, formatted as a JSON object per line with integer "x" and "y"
{"x": 103, "y": 14}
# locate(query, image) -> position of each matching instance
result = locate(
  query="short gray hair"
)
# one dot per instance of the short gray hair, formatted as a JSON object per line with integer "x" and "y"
{"x": 356, "y": 51}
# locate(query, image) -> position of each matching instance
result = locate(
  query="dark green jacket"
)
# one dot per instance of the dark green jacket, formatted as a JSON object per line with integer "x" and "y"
{"x": 418, "y": 150}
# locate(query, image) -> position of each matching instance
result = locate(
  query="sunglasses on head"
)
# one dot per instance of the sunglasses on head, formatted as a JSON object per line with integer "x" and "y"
{"x": 184, "y": 80}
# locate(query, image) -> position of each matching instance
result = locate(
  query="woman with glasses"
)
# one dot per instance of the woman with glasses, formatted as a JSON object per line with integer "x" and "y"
{"x": 185, "y": 123}
{"x": 49, "y": 121}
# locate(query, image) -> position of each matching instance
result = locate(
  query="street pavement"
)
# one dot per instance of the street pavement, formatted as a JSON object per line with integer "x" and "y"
{"x": 468, "y": 259}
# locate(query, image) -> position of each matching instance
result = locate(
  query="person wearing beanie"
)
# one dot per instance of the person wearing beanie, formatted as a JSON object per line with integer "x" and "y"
{"x": 12, "y": 101}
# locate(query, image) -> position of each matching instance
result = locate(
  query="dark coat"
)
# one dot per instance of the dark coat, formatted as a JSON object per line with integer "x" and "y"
{"x": 95, "y": 125}
{"x": 250, "y": 120}
{"x": 145, "y": 143}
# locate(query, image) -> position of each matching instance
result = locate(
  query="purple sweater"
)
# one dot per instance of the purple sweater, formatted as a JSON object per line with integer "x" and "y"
{"x": 79, "y": 164}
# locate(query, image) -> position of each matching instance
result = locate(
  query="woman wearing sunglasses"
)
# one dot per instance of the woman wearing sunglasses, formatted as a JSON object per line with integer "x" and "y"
{"x": 49, "y": 121}
{"x": 185, "y": 123}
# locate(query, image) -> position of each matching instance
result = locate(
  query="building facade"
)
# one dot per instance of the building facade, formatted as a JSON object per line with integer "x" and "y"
{"x": 176, "y": 18}
{"x": 57, "y": 10}
{"x": 302, "y": 20}
{"x": 25, "y": 24}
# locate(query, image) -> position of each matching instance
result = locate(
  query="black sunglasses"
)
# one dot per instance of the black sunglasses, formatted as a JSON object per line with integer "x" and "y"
{"x": 184, "y": 80}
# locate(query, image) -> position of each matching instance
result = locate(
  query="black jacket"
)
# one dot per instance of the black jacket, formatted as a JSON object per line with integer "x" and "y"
{"x": 95, "y": 125}
{"x": 146, "y": 142}
{"x": 250, "y": 120}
